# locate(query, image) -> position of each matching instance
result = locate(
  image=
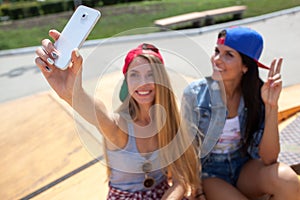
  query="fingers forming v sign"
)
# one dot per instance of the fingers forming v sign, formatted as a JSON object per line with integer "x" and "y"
{"x": 271, "y": 89}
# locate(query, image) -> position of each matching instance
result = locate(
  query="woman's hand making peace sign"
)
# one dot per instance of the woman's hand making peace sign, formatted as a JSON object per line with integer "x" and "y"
{"x": 271, "y": 89}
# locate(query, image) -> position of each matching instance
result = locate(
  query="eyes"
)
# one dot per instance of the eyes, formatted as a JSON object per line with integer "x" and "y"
{"x": 225, "y": 53}
{"x": 137, "y": 76}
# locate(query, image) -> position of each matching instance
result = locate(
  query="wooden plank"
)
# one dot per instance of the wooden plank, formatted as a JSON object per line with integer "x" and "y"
{"x": 38, "y": 144}
{"x": 224, "y": 11}
{"x": 40, "y": 147}
{"x": 285, "y": 114}
{"x": 194, "y": 16}
{"x": 289, "y": 102}
{"x": 89, "y": 184}
{"x": 197, "y": 16}
{"x": 236, "y": 11}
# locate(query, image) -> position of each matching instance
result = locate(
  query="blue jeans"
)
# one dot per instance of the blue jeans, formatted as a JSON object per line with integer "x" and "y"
{"x": 224, "y": 166}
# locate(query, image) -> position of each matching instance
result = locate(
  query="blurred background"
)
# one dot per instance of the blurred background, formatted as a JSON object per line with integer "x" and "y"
{"x": 46, "y": 151}
{"x": 25, "y": 22}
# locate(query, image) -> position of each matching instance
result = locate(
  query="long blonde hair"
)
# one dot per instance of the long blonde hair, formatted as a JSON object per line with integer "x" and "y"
{"x": 179, "y": 157}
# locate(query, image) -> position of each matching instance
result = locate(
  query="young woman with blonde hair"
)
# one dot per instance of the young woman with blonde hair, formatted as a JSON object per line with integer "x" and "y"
{"x": 149, "y": 152}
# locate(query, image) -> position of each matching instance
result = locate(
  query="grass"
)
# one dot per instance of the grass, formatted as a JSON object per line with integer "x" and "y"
{"x": 123, "y": 17}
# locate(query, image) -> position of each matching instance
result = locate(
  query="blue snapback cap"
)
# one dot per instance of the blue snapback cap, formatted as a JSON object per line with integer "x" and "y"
{"x": 246, "y": 41}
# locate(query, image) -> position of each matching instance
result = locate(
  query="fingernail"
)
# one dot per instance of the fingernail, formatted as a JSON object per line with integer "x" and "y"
{"x": 54, "y": 55}
{"x": 48, "y": 69}
{"x": 77, "y": 53}
{"x": 50, "y": 61}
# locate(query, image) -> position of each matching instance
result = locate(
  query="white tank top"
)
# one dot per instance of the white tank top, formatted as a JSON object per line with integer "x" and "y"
{"x": 230, "y": 139}
{"x": 126, "y": 166}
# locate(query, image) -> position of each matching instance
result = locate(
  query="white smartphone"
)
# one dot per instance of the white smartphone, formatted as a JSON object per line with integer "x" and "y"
{"x": 75, "y": 33}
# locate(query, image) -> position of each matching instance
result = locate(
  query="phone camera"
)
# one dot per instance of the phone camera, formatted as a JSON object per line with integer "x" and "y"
{"x": 84, "y": 16}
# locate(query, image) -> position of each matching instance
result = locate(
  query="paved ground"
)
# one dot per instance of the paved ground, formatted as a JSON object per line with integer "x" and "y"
{"x": 43, "y": 149}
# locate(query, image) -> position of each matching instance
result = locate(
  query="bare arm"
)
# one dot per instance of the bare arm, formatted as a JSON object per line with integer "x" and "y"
{"x": 68, "y": 85}
{"x": 175, "y": 192}
{"x": 269, "y": 145}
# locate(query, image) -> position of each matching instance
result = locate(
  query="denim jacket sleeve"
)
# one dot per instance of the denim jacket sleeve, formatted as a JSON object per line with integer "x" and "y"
{"x": 189, "y": 111}
{"x": 192, "y": 113}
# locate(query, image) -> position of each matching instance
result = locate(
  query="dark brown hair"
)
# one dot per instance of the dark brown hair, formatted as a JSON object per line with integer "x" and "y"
{"x": 251, "y": 91}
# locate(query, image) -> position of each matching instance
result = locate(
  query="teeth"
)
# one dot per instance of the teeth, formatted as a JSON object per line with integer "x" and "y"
{"x": 143, "y": 92}
{"x": 217, "y": 69}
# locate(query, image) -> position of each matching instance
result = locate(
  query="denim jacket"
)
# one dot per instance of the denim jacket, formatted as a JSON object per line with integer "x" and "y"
{"x": 204, "y": 109}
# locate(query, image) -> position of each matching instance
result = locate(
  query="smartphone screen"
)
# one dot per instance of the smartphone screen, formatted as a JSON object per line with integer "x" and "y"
{"x": 75, "y": 33}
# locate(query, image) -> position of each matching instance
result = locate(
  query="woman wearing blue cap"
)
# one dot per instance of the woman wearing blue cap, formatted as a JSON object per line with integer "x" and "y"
{"x": 237, "y": 113}
{"x": 148, "y": 151}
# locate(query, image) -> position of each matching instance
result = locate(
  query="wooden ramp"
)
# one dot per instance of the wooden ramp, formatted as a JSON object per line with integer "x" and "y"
{"x": 41, "y": 153}
{"x": 42, "y": 156}
{"x": 289, "y": 102}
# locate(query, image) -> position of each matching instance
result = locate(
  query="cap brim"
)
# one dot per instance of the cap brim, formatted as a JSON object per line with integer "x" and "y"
{"x": 262, "y": 65}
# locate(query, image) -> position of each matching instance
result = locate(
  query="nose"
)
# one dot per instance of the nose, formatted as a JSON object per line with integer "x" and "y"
{"x": 144, "y": 80}
{"x": 217, "y": 57}
{"x": 214, "y": 58}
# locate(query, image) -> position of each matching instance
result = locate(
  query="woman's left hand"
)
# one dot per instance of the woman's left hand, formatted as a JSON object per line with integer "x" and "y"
{"x": 271, "y": 89}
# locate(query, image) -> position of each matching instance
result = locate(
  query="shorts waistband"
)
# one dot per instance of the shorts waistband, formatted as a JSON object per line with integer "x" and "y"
{"x": 228, "y": 156}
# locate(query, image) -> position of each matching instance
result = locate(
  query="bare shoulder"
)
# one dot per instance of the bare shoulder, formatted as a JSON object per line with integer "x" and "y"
{"x": 119, "y": 136}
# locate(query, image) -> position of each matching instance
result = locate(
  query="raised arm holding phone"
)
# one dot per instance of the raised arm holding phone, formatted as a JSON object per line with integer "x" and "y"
{"x": 149, "y": 152}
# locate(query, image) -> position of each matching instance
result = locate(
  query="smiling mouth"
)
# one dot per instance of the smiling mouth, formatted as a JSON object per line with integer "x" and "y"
{"x": 217, "y": 69}
{"x": 143, "y": 93}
